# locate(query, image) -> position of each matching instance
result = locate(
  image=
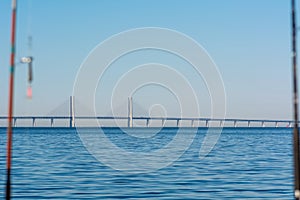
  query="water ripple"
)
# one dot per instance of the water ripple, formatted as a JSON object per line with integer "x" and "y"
{"x": 245, "y": 164}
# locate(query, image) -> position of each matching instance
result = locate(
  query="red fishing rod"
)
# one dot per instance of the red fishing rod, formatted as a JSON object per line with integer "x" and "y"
{"x": 10, "y": 101}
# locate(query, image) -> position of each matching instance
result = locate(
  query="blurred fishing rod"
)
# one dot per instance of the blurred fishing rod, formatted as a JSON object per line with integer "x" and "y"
{"x": 27, "y": 60}
{"x": 295, "y": 101}
{"x": 10, "y": 102}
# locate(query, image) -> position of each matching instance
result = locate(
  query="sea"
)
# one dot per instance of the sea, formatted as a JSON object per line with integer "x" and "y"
{"x": 55, "y": 163}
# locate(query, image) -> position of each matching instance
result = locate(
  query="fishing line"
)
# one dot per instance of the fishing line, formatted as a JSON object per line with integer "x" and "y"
{"x": 28, "y": 59}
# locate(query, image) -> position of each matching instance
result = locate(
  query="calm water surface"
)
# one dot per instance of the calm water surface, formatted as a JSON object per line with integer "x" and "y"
{"x": 245, "y": 164}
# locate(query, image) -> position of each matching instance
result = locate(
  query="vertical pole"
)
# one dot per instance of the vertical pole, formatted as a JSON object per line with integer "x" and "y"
{"x": 72, "y": 112}
{"x": 14, "y": 122}
{"x": 163, "y": 122}
{"x": 295, "y": 99}
{"x": 178, "y": 120}
{"x": 221, "y": 123}
{"x": 51, "y": 121}
{"x": 130, "y": 112}
{"x": 10, "y": 106}
{"x": 33, "y": 122}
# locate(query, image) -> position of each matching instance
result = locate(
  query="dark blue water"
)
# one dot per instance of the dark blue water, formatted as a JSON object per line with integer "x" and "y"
{"x": 245, "y": 164}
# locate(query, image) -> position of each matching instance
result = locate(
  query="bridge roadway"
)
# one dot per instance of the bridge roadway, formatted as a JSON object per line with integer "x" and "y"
{"x": 208, "y": 121}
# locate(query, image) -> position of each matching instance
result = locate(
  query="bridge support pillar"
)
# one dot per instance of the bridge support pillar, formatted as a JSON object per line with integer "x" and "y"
{"x": 207, "y": 123}
{"x": 262, "y": 124}
{"x": 178, "y": 120}
{"x": 51, "y": 122}
{"x": 33, "y": 121}
{"x": 221, "y": 123}
{"x": 276, "y": 124}
{"x": 148, "y": 122}
{"x": 163, "y": 122}
{"x": 249, "y": 123}
{"x": 235, "y": 124}
{"x": 15, "y": 122}
{"x": 192, "y": 123}
{"x": 72, "y": 112}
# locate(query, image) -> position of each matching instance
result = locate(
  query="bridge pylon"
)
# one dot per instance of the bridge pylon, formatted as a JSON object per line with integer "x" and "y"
{"x": 72, "y": 112}
{"x": 130, "y": 112}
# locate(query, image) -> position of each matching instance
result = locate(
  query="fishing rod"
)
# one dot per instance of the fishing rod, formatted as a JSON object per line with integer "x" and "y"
{"x": 27, "y": 60}
{"x": 10, "y": 101}
{"x": 295, "y": 100}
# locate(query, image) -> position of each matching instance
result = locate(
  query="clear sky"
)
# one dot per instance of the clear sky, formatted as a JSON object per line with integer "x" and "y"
{"x": 249, "y": 41}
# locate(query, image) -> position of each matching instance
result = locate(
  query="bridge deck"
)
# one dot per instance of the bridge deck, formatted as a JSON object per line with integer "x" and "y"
{"x": 230, "y": 122}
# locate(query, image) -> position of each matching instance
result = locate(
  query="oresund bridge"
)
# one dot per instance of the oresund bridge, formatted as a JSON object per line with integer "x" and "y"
{"x": 137, "y": 121}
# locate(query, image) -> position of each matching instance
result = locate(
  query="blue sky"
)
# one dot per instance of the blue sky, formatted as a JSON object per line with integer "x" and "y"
{"x": 249, "y": 41}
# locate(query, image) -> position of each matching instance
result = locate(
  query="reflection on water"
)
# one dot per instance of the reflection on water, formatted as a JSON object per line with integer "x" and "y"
{"x": 245, "y": 164}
